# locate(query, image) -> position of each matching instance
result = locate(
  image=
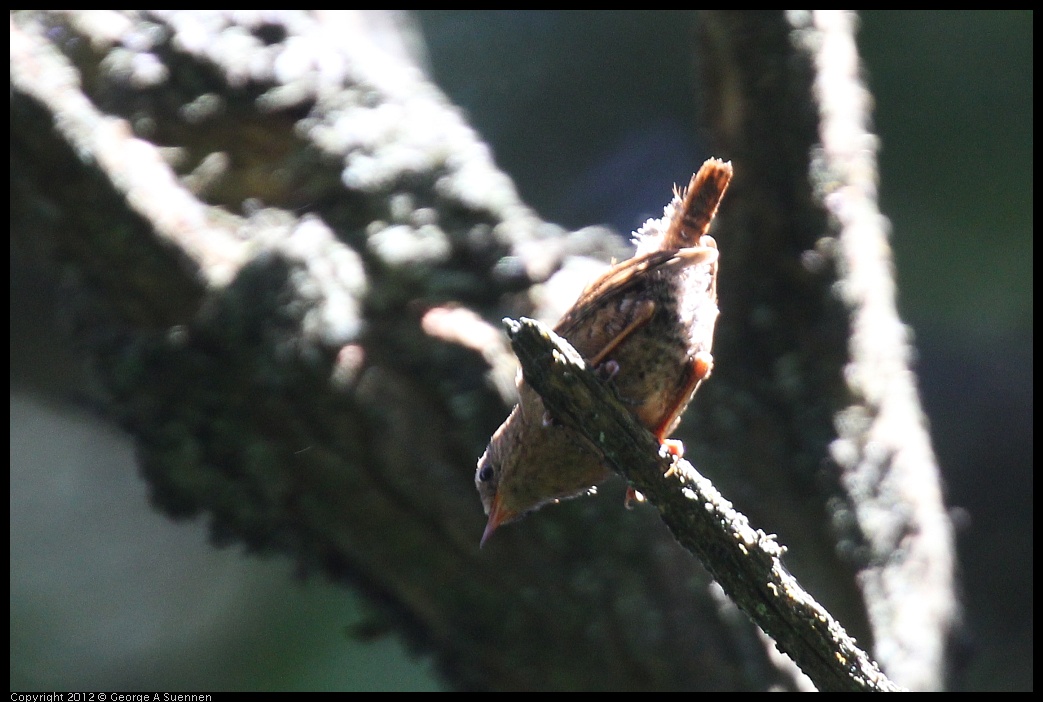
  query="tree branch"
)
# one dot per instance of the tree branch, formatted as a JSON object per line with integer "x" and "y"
{"x": 284, "y": 243}
{"x": 745, "y": 562}
{"x": 809, "y": 327}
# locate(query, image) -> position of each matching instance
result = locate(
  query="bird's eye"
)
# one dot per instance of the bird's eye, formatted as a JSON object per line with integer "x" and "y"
{"x": 486, "y": 473}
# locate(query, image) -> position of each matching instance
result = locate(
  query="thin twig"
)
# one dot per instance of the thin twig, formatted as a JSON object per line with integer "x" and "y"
{"x": 745, "y": 561}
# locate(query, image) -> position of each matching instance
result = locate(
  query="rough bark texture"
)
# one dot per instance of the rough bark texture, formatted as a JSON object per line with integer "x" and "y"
{"x": 744, "y": 561}
{"x": 817, "y": 359}
{"x": 284, "y": 243}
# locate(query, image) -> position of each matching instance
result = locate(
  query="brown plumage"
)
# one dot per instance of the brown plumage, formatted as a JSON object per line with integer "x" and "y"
{"x": 647, "y": 324}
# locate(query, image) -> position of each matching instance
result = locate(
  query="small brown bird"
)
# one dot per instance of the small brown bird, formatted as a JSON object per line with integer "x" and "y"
{"x": 647, "y": 325}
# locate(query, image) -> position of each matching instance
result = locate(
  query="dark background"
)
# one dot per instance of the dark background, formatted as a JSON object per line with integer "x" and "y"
{"x": 595, "y": 116}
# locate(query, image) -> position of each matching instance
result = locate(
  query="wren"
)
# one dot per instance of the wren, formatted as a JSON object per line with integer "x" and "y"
{"x": 646, "y": 325}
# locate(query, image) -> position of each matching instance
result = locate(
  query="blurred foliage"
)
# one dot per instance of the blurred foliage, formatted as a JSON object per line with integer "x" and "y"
{"x": 954, "y": 109}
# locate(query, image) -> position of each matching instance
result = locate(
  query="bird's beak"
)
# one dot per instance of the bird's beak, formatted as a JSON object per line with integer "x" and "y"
{"x": 498, "y": 515}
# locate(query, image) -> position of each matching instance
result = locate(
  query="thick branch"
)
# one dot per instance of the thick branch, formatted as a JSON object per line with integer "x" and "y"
{"x": 323, "y": 392}
{"x": 837, "y": 408}
{"x": 744, "y": 561}
{"x": 286, "y": 243}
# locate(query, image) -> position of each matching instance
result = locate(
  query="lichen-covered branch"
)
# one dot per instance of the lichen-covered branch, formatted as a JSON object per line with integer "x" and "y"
{"x": 284, "y": 249}
{"x": 745, "y": 561}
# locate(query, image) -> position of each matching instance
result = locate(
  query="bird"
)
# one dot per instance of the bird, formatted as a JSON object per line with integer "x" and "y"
{"x": 646, "y": 326}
